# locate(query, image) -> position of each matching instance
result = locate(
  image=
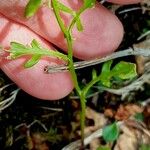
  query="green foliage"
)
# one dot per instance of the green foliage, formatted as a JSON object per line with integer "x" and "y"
{"x": 61, "y": 7}
{"x": 79, "y": 25}
{"x": 94, "y": 74}
{"x": 122, "y": 70}
{"x": 64, "y": 8}
{"x": 106, "y": 74}
{"x": 32, "y": 7}
{"x": 88, "y": 3}
{"x": 111, "y": 132}
{"x": 139, "y": 116}
{"x": 144, "y": 147}
{"x": 35, "y": 50}
{"x": 103, "y": 148}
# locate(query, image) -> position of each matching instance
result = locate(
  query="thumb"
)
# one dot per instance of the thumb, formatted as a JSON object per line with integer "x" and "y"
{"x": 32, "y": 80}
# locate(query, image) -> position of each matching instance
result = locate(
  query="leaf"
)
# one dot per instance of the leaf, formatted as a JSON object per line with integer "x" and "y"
{"x": 103, "y": 148}
{"x": 17, "y": 50}
{"x": 145, "y": 147}
{"x": 106, "y": 74}
{"x": 79, "y": 25}
{"x": 32, "y": 7}
{"x": 34, "y": 60}
{"x": 139, "y": 116}
{"x": 124, "y": 70}
{"x": 111, "y": 132}
{"x": 94, "y": 74}
{"x": 35, "y": 51}
{"x": 89, "y": 3}
{"x": 64, "y": 8}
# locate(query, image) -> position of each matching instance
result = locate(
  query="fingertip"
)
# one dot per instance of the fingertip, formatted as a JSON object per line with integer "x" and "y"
{"x": 102, "y": 34}
{"x": 33, "y": 80}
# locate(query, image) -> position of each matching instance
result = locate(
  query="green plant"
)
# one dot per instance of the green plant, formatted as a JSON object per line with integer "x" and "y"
{"x": 139, "y": 116}
{"x": 144, "y": 147}
{"x": 103, "y": 148}
{"x": 111, "y": 132}
{"x": 123, "y": 70}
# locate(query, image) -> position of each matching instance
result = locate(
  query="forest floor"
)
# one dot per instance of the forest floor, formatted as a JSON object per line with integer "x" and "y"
{"x": 32, "y": 124}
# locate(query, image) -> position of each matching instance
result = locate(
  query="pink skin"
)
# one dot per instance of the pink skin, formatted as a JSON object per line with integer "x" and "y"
{"x": 33, "y": 81}
{"x": 97, "y": 40}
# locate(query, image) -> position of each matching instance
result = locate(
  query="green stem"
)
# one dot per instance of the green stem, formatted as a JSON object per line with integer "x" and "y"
{"x": 58, "y": 17}
{"x": 67, "y": 35}
{"x": 75, "y": 19}
{"x": 79, "y": 91}
{"x": 82, "y": 116}
{"x": 90, "y": 84}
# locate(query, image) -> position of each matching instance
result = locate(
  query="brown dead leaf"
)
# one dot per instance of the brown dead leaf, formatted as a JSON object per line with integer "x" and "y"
{"x": 145, "y": 4}
{"x": 138, "y": 125}
{"x": 39, "y": 142}
{"x": 109, "y": 112}
{"x": 131, "y": 139}
{"x": 124, "y": 112}
{"x": 140, "y": 60}
{"x": 133, "y": 109}
{"x": 94, "y": 144}
{"x": 98, "y": 118}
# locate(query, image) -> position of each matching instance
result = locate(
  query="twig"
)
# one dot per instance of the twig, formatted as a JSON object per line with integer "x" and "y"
{"x": 52, "y": 109}
{"x": 83, "y": 64}
{"x": 8, "y": 101}
{"x": 144, "y": 35}
{"x": 128, "y": 10}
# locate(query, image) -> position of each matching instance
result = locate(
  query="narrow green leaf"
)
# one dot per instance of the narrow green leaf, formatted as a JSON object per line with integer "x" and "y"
{"x": 89, "y": 3}
{"x": 124, "y": 70}
{"x": 35, "y": 45}
{"x": 79, "y": 25}
{"x": 111, "y": 132}
{"x": 64, "y": 8}
{"x": 17, "y": 50}
{"x": 34, "y": 60}
{"x": 32, "y": 7}
{"x": 94, "y": 74}
{"x": 35, "y": 51}
{"x": 106, "y": 74}
{"x": 16, "y": 45}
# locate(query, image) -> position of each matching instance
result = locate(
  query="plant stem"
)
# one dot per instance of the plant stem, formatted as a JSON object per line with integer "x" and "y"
{"x": 82, "y": 116}
{"x": 79, "y": 91}
{"x": 67, "y": 35}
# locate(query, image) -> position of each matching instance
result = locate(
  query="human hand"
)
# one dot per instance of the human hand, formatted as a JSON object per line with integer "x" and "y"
{"x": 102, "y": 34}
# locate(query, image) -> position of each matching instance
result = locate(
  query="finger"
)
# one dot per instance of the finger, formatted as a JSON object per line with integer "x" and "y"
{"x": 33, "y": 80}
{"x": 124, "y": 1}
{"x": 101, "y": 35}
